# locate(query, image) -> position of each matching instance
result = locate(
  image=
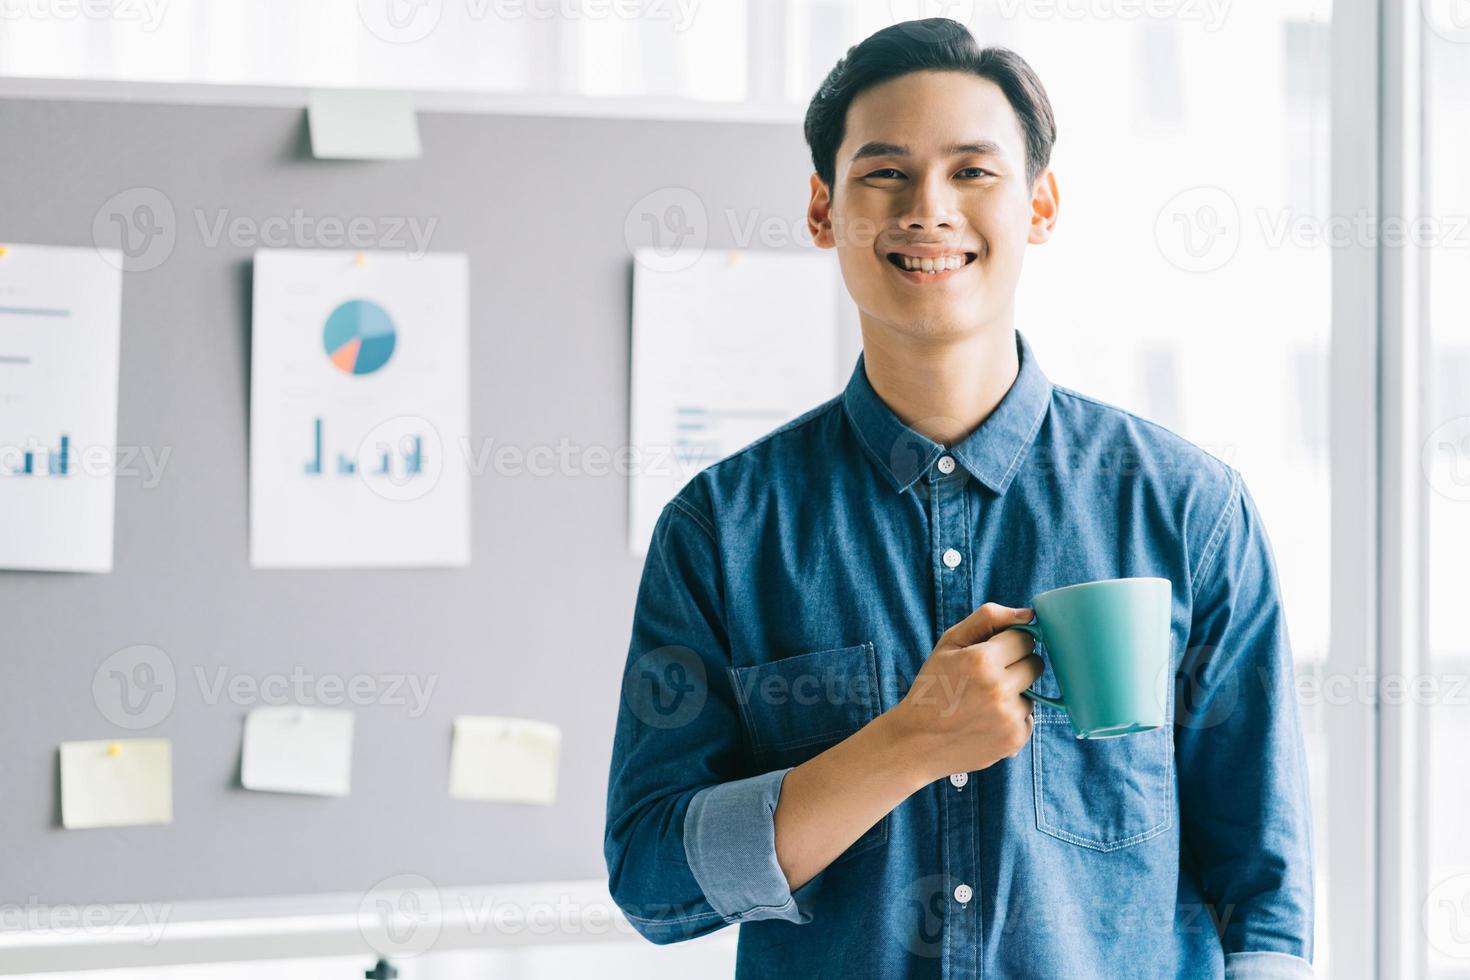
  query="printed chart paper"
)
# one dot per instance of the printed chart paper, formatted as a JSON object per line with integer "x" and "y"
{"x": 116, "y": 783}
{"x": 59, "y": 334}
{"x": 359, "y": 410}
{"x": 510, "y": 760}
{"x": 288, "y": 749}
{"x": 726, "y": 347}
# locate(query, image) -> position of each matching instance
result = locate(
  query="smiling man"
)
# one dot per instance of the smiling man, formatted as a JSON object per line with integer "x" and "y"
{"x": 822, "y": 734}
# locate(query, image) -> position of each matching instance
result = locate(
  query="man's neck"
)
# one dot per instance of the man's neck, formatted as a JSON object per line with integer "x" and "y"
{"x": 945, "y": 389}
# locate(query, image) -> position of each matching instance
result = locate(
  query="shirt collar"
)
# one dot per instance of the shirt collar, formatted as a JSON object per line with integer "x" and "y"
{"x": 991, "y": 454}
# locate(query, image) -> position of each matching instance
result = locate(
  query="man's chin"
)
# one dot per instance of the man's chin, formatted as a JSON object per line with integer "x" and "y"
{"x": 957, "y": 307}
{"x": 941, "y": 325}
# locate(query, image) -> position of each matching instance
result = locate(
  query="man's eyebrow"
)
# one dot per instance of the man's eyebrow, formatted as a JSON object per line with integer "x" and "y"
{"x": 875, "y": 148}
{"x": 988, "y": 148}
{"x": 878, "y": 148}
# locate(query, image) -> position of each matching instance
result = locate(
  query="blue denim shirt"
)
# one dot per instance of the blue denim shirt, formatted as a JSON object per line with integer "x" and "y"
{"x": 791, "y": 593}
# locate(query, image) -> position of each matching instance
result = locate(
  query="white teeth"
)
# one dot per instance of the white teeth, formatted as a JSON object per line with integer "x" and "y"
{"x": 941, "y": 264}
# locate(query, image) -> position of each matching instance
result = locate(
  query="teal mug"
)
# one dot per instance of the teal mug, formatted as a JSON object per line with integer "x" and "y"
{"x": 1108, "y": 644}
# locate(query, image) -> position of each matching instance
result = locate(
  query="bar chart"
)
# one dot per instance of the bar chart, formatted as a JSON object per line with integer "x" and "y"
{"x": 60, "y": 323}
{"x": 404, "y": 463}
{"x": 21, "y": 460}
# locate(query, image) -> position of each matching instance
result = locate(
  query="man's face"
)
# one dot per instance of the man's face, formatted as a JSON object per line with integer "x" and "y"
{"x": 932, "y": 166}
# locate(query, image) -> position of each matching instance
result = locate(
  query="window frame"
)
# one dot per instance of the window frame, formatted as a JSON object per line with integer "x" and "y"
{"x": 1402, "y": 566}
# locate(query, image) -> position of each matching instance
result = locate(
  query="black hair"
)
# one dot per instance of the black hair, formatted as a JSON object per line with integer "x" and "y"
{"x": 932, "y": 44}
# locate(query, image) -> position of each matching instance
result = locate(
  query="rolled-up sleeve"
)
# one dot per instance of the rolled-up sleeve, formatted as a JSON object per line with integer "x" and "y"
{"x": 1244, "y": 806}
{"x": 689, "y": 837}
{"x": 1266, "y": 966}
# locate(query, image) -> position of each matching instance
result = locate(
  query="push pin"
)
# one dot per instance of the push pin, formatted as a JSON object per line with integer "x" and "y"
{"x": 114, "y": 750}
{"x": 383, "y": 971}
{"x": 732, "y": 259}
{"x": 359, "y": 260}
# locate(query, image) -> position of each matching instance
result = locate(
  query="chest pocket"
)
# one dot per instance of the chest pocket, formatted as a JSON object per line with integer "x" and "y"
{"x": 1101, "y": 793}
{"x": 798, "y": 706}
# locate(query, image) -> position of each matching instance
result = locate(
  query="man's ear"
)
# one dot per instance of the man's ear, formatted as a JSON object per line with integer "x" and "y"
{"x": 819, "y": 215}
{"x": 1045, "y": 202}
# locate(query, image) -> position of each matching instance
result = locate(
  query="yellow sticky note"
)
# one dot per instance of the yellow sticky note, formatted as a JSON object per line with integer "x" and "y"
{"x": 116, "y": 783}
{"x": 510, "y": 760}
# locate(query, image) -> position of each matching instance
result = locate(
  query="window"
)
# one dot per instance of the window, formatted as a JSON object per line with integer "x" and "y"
{"x": 1198, "y": 269}
{"x": 645, "y": 49}
{"x": 1446, "y": 464}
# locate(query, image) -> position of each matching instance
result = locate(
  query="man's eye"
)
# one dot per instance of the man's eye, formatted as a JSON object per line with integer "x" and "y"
{"x": 978, "y": 170}
{"x": 885, "y": 170}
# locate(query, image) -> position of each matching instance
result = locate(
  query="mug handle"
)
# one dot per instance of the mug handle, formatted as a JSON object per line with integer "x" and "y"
{"x": 1035, "y": 632}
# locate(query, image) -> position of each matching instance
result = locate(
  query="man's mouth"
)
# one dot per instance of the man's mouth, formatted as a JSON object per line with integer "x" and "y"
{"x": 931, "y": 264}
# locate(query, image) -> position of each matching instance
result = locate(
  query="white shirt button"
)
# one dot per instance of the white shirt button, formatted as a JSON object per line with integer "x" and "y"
{"x": 963, "y": 894}
{"x": 951, "y": 558}
{"x": 959, "y": 779}
{"x": 946, "y": 464}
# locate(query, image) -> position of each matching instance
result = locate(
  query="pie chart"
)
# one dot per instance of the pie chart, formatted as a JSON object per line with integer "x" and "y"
{"x": 359, "y": 337}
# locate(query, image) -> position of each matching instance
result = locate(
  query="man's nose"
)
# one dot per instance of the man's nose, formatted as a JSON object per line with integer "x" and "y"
{"x": 930, "y": 205}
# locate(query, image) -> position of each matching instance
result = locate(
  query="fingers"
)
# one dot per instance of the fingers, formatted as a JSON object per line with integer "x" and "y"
{"x": 1029, "y": 715}
{"x": 1008, "y": 647}
{"x": 985, "y": 622}
{"x": 1023, "y": 673}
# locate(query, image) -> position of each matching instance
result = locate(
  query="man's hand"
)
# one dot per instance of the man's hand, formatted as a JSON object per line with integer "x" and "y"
{"x": 965, "y": 710}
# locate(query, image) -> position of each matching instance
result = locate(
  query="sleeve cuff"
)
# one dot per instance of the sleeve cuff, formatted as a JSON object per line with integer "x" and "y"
{"x": 1266, "y": 966}
{"x": 730, "y": 841}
